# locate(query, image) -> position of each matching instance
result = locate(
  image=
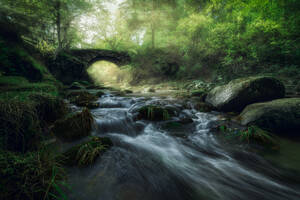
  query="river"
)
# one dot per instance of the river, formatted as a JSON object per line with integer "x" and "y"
{"x": 151, "y": 161}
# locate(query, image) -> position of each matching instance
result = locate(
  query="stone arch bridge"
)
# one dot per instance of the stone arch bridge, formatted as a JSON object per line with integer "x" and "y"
{"x": 71, "y": 65}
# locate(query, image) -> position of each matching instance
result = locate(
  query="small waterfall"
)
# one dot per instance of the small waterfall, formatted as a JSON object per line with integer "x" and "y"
{"x": 149, "y": 162}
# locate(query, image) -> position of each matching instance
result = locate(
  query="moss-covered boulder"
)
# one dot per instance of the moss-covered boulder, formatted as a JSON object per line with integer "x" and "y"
{"x": 49, "y": 108}
{"x": 20, "y": 128}
{"x": 82, "y": 98}
{"x": 239, "y": 93}
{"x": 278, "y": 116}
{"x": 74, "y": 126}
{"x": 86, "y": 153}
{"x": 154, "y": 113}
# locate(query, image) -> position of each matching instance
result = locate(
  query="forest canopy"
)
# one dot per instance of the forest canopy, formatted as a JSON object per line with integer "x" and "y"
{"x": 192, "y": 37}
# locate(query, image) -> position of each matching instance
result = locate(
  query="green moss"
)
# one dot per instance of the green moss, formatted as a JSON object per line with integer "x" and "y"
{"x": 17, "y": 87}
{"x": 74, "y": 126}
{"x": 172, "y": 125}
{"x": 33, "y": 176}
{"x": 86, "y": 153}
{"x": 16, "y": 61}
{"x": 154, "y": 113}
{"x": 198, "y": 93}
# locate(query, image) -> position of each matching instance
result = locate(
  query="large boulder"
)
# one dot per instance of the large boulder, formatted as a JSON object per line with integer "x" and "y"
{"x": 278, "y": 116}
{"x": 241, "y": 92}
{"x": 74, "y": 126}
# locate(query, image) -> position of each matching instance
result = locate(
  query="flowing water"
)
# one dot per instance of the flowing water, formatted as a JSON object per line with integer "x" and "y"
{"x": 152, "y": 161}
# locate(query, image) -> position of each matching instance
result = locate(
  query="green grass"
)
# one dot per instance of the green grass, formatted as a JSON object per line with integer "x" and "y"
{"x": 251, "y": 135}
{"x": 32, "y": 176}
{"x": 17, "y": 87}
{"x": 86, "y": 153}
{"x": 12, "y": 80}
{"x": 154, "y": 113}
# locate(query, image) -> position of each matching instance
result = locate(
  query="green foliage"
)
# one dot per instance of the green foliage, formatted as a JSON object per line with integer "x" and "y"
{"x": 33, "y": 176}
{"x": 234, "y": 38}
{"x": 74, "y": 126}
{"x": 252, "y": 134}
{"x": 19, "y": 126}
{"x": 86, "y": 153}
{"x": 154, "y": 113}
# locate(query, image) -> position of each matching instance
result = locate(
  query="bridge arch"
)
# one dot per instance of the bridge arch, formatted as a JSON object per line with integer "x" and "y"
{"x": 72, "y": 65}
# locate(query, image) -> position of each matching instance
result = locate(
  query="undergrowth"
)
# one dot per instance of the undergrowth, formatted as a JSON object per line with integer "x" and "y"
{"x": 152, "y": 112}
{"x": 86, "y": 153}
{"x": 251, "y": 135}
{"x": 31, "y": 176}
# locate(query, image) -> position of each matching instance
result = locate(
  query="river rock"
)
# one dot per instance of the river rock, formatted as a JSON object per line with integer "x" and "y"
{"x": 239, "y": 93}
{"x": 74, "y": 126}
{"x": 278, "y": 116}
{"x": 154, "y": 113}
{"x": 82, "y": 98}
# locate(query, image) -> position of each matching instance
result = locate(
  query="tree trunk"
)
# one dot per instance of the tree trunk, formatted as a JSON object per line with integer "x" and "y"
{"x": 58, "y": 25}
{"x": 153, "y": 24}
{"x": 153, "y": 35}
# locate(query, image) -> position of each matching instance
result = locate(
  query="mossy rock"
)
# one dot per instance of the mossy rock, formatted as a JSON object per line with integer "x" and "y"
{"x": 86, "y": 153}
{"x": 20, "y": 128}
{"x": 74, "y": 126}
{"x": 76, "y": 86}
{"x": 154, "y": 113}
{"x": 49, "y": 108}
{"x": 172, "y": 125}
{"x": 81, "y": 98}
{"x": 203, "y": 107}
{"x": 280, "y": 116}
{"x": 239, "y": 93}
